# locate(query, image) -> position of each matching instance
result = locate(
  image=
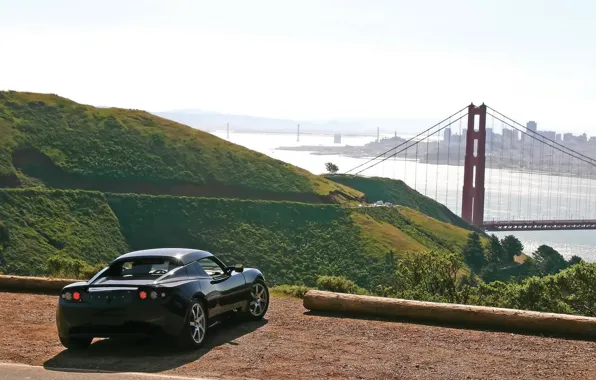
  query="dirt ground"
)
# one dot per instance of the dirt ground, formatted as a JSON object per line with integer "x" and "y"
{"x": 291, "y": 343}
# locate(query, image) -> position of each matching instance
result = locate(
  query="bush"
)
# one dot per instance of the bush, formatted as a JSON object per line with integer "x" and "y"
{"x": 3, "y": 233}
{"x": 339, "y": 284}
{"x": 66, "y": 267}
{"x": 297, "y": 291}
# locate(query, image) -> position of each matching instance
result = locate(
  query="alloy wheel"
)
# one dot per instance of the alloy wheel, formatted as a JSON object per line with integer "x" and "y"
{"x": 259, "y": 300}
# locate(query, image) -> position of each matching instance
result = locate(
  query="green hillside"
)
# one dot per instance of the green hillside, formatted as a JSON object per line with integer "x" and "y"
{"x": 397, "y": 192}
{"x": 89, "y": 183}
{"x": 405, "y": 230}
{"x": 35, "y": 225}
{"x": 291, "y": 242}
{"x": 55, "y": 142}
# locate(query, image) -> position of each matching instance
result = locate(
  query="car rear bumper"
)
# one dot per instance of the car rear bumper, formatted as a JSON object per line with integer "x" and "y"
{"x": 81, "y": 320}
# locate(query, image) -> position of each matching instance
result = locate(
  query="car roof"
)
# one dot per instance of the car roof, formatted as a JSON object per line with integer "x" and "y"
{"x": 185, "y": 255}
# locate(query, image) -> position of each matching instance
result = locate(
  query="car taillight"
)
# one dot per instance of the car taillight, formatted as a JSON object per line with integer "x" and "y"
{"x": 72, "y": 296}
{"x": 151, "y": 294}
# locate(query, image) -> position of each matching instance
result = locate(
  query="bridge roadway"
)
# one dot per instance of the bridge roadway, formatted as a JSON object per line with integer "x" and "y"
{"x": 539, "y": 225}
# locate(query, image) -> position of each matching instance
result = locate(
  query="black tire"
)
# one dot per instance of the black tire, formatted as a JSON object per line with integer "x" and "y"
{"x": 189, "y": 336}
{"x": 76, "y": 343}
{"x": 256, "y": 313}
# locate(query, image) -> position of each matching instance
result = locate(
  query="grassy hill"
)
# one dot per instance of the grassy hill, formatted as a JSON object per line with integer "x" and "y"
{"x": 35, "y": 225}
{"x": 88, "y": 184}
{"x": 291, "y": 242}
{"x": 404, "y": 230}
{"x": 396, "y": 191}
{"x": 52, "y": 141}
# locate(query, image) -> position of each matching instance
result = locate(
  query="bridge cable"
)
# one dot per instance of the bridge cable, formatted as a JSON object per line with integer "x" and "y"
{"x": 405, "y": 166}
{"x": 405, "y": 142}
{"x": 550, "y": 181}
{"x": 488, "y": 168}
{"x": 460, "y": 137}
{"x": 588, "y": 193}
{"x": 579, "y": 189}
{"x": 566, "y": 151}
{"x": 395, "y": 168}
{"x": 531, "y": 173}
{"x": 426, "y": 164}
{"x": 510, "y": 165}
{"x": 569, "y": 215}
{"x": 447, "y": 179}
{"x": 500, "y": 168}
{"x": 560, "y": 176}
{"x": 520, "y": 166}
{"x": 417, "y": 142}
{"x": 541, "y": 208}
{"x": 416, "y": 170}
{"x": 437, "y": 168}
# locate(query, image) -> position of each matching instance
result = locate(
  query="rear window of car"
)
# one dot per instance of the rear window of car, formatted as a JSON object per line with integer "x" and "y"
{"x": 149, "y": 266}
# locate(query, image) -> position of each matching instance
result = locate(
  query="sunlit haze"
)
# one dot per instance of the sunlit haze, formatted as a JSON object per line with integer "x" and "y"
{"x": 531, "y": 59}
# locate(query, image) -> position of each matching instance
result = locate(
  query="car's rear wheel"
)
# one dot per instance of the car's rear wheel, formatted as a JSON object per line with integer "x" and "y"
{"x": 195, "y": 327}
{"x": 259, "y": 301}
{"x": 75, "y": 343}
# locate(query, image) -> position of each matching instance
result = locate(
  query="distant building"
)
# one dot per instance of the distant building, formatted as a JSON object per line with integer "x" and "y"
{"x": 490, "y": 135}
{"x": 548, "y": 134}
{"x": 592, "y": 140}
{"x": 447, "y": 134}
{"x": 510, "y": 137}
{"x": 532, "y": 126}
{"x": 583, "y": 138}
{"x": 558, "y": 138}
{"x": 337, "y": 138}
{"x": 568, "y": 137}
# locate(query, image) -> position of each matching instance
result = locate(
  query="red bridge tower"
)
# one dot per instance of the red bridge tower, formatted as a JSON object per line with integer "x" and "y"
{"x": 474, "y": 165}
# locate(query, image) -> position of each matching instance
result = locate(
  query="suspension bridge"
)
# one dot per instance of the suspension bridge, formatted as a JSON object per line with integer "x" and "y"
{"x": 495, "y": 172}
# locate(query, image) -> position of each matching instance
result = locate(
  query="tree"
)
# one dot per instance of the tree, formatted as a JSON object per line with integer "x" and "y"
{"x": 331, "y": 167}
{"x": 495, "y": 251}
{"x": 574, "y": 260}
{"x": 474, "y": 253}
{"x": 512, "y": 247}
{"x": 548, "y": 260}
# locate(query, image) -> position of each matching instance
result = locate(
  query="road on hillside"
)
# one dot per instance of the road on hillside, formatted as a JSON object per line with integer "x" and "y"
{"x": 292, "y": 343}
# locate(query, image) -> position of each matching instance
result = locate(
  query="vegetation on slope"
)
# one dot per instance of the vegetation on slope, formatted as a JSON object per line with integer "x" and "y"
{"x": 397, "y": 192}
{"x": 52, "y": 140}
{"x": 291, "y": 242}
{"x": 36, "y": 225}
{"x": 403, "y": 230}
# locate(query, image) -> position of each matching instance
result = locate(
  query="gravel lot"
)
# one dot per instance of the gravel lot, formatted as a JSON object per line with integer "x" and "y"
{"x": 294, "y": 344}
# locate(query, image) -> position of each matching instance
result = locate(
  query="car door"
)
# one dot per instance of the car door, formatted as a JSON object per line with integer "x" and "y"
{"x": 228, "y": 287}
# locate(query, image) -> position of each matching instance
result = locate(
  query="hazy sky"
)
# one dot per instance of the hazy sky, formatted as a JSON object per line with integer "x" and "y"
{"x": 302, "y": 59}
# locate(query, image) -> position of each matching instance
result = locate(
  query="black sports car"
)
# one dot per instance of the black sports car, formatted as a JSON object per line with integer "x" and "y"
{"x": 179, "y": 292}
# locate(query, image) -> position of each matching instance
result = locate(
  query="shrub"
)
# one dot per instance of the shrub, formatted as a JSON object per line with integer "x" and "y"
{"x": 338, "y": 284}
{"x": 62, "y": 266}
{"x": 297, "y": 291}
{"x": 3, "y": 233}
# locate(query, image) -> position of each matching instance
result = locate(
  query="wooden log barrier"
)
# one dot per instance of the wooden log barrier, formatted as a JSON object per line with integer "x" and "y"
{"x": 33, "y": 284}
{"x": 491, "y": 317}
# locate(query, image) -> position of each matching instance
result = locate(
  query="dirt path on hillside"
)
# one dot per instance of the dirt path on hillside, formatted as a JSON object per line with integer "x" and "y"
{"x": 292, "y": 344}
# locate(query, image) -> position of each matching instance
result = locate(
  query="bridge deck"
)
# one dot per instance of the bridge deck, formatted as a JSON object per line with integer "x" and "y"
{"x": 533, "y": 225}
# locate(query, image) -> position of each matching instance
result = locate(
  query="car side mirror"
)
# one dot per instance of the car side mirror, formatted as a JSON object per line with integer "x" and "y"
{"x": 239, "y": 268}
